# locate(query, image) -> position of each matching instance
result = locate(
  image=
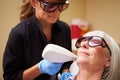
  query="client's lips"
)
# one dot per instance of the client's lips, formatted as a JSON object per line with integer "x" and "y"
{"x": 84, "y": 53}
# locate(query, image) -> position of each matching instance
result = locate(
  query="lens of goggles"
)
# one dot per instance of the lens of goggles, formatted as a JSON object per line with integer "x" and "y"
{"x": 95, "y": 41}
{"x": 92, "y": 41}
{"x": 51, "y": 7}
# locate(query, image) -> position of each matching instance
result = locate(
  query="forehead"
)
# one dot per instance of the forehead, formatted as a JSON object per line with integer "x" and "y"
{"x": 95, "y": 33}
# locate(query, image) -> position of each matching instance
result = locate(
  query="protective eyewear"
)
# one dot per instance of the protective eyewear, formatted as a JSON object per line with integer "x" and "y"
{"x": 92, "y": 41}
{"x": 51, "y": 7}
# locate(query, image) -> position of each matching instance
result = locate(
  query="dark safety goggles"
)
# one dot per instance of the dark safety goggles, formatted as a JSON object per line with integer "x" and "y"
{"x": 51, "y": 7}
{"x": 92, "y": 41}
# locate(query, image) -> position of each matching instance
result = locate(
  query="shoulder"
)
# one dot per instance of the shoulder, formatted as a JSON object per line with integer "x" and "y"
{"x": 24, "y": 24}
{"x": 24, "y": 27}
{"x": 59, "y": 22}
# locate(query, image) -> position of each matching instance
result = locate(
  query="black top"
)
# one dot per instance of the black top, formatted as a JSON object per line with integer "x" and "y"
{"x": 25, "y": 45}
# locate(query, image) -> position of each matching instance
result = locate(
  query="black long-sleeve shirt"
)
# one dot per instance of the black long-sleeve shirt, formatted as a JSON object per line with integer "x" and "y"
{"x": 25, "y": 45}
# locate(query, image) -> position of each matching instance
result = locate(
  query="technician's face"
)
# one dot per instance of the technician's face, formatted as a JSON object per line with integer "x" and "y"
{"x": 49, "y": 10}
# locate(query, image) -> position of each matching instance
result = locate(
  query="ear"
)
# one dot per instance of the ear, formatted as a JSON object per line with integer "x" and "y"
{"x": 108, "y": 62}
{"x": 33, "y": 3}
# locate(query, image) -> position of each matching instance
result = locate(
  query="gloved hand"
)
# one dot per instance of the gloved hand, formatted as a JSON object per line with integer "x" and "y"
{"x": 49, "y": 67}
{"x": 65, "y": 75}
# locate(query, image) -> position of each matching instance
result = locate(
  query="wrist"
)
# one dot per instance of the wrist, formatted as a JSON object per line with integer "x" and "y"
{"x": 40, "y": 67}
{"x": 65, "y": 70}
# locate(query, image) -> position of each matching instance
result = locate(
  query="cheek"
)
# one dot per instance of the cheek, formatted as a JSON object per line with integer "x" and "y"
{"x": 39, "y": 12}
{"x": 99, "y": 56}
{"x": 52, "y": 18}
{"x": 98, "y": 51}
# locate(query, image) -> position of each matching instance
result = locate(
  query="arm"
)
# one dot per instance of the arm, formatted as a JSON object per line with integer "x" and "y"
{"x": 13, "y": 62}
{"x": 13, "y": 59}
{"x": 31, "y": 73}
{"x": 43, "y": 66}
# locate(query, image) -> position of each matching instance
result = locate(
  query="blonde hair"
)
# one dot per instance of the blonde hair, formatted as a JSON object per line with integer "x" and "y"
{"x": 26, "y": 10}
{"x": 112, "y": 72}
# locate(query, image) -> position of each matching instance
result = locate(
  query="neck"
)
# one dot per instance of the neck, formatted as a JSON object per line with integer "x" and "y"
{"x": 46, "y": 27}
{"x": 89, "y": 75}
{"x": 47, "y": 32}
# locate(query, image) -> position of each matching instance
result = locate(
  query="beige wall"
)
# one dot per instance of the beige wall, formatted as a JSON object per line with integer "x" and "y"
{"x": 104, "y": 15}
{"x": 9, "y": 12}
{"x": 101, "y": 14}
{"x": 76, "y": 9}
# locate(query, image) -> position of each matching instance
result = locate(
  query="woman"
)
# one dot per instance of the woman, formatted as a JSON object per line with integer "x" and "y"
{"x": 39, "y": 26}
{"x": 98, "y": 57}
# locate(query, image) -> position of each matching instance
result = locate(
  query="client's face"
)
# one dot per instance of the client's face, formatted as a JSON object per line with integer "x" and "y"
{"x": 92, "y": 52}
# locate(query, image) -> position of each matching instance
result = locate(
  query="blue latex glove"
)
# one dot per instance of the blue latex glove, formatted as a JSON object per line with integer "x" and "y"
{"x": 65, "y": 75}
{"x": 49, "y": 67}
